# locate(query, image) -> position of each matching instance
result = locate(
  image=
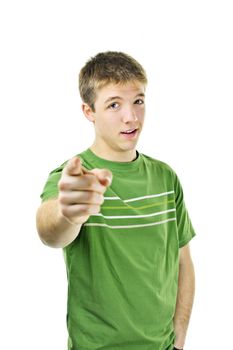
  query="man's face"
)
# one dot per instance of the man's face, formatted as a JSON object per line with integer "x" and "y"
{"x": 118, "y": 109}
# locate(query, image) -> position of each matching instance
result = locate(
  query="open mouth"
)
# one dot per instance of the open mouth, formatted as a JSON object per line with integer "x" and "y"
{"x": 130, "y": 132}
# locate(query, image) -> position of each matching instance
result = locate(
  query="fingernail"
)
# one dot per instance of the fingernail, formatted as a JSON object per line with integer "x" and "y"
{"x": 109, "y": 179}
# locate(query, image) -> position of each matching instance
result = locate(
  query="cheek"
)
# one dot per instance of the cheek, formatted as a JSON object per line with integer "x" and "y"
{"x": 108, "y": 126}
{"x": 140, "y": 112}
{"x": 140, "y": 117}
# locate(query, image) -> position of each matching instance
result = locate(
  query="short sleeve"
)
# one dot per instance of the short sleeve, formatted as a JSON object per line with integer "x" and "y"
{"x": 50, "y": 189}
{"x": 184, "y": 225}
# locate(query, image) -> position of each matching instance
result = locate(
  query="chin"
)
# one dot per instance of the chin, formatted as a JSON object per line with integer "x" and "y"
{"x": 132, "y": 147}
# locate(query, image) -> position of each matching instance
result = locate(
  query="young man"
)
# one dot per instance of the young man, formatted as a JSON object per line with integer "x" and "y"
{"x": 120, "y": 217}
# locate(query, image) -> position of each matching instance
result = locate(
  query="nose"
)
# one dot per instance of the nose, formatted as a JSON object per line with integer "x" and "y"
{"x": 129, "y": 115}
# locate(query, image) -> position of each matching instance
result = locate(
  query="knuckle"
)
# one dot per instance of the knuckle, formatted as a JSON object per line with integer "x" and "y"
{"x": 62, "y": 185}
{"x": 61, "y": 198}
{"x": 101, "y": 199}
{"x": 90, "y": 196}
{"x": 104, "y": 189}
{"x": 89, "y": 209}
{"x": 91, "y": 182}
{"x": 94, "y": 209}
{"x": 65, "y": 210}
{"x": 101, "y": 189}
{"x": 83, "y": 209}
{"x": 95, "y": 198}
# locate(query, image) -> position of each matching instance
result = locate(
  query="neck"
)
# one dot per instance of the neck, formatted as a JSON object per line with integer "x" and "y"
{"x": 114, "y": 155}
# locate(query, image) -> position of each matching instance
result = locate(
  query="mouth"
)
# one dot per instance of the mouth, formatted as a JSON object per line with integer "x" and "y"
{"x": 129, "y": 133}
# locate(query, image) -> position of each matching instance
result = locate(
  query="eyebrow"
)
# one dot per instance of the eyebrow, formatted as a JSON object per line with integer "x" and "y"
{"x": 120, "y": 98}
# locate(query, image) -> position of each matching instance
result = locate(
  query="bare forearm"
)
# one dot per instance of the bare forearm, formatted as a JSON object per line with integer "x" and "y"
{"x": 53, "y": 228}
{"x": 185, "y": 297}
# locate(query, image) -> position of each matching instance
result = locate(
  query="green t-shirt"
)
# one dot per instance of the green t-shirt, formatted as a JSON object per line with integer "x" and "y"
{"x": 122, "y": 268}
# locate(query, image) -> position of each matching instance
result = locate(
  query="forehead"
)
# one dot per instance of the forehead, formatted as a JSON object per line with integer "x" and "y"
{"x": 126, "y": 90}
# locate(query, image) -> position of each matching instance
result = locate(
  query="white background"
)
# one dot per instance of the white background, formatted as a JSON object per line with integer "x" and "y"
{"x": 186, "y": 49}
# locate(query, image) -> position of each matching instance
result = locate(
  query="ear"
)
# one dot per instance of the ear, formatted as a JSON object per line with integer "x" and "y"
{"x": 88, "y": 112}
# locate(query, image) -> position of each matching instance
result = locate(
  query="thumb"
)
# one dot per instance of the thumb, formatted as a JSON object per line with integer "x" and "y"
{"x": 74, "y": 167}
{"x": 104, "y": 176}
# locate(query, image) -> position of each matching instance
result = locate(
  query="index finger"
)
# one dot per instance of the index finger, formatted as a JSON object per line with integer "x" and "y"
{"x": 74, "y": 167}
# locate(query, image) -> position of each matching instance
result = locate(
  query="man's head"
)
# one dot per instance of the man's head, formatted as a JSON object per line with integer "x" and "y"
{"x": 112, "y": 87}
{"x": 108, "y": 68}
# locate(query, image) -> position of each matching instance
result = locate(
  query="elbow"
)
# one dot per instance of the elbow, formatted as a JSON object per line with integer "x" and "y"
{"x": 49, "y": 241}
{"x": 48, "y": 238}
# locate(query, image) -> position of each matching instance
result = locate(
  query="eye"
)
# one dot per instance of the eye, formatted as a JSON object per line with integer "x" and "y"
{"x": 139, "y": 102}
{"x": 113, "y": 105}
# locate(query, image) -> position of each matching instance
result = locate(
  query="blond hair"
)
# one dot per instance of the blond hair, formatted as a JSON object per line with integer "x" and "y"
{"x": 105, "y": 68}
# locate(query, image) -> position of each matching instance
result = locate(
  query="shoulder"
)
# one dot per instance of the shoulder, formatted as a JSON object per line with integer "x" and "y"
{"x": 158, "y": 164}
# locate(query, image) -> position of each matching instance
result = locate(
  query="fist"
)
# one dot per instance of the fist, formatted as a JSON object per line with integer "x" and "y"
{"x": 81, "y": 191}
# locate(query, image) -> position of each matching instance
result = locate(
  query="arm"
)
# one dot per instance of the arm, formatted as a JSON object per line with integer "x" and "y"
{"x": 53, "y": 228}
{"x": 185, "y": 296}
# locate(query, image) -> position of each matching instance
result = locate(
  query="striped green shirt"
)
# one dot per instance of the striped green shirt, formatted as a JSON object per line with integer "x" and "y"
{"x": 122, "y": 268}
